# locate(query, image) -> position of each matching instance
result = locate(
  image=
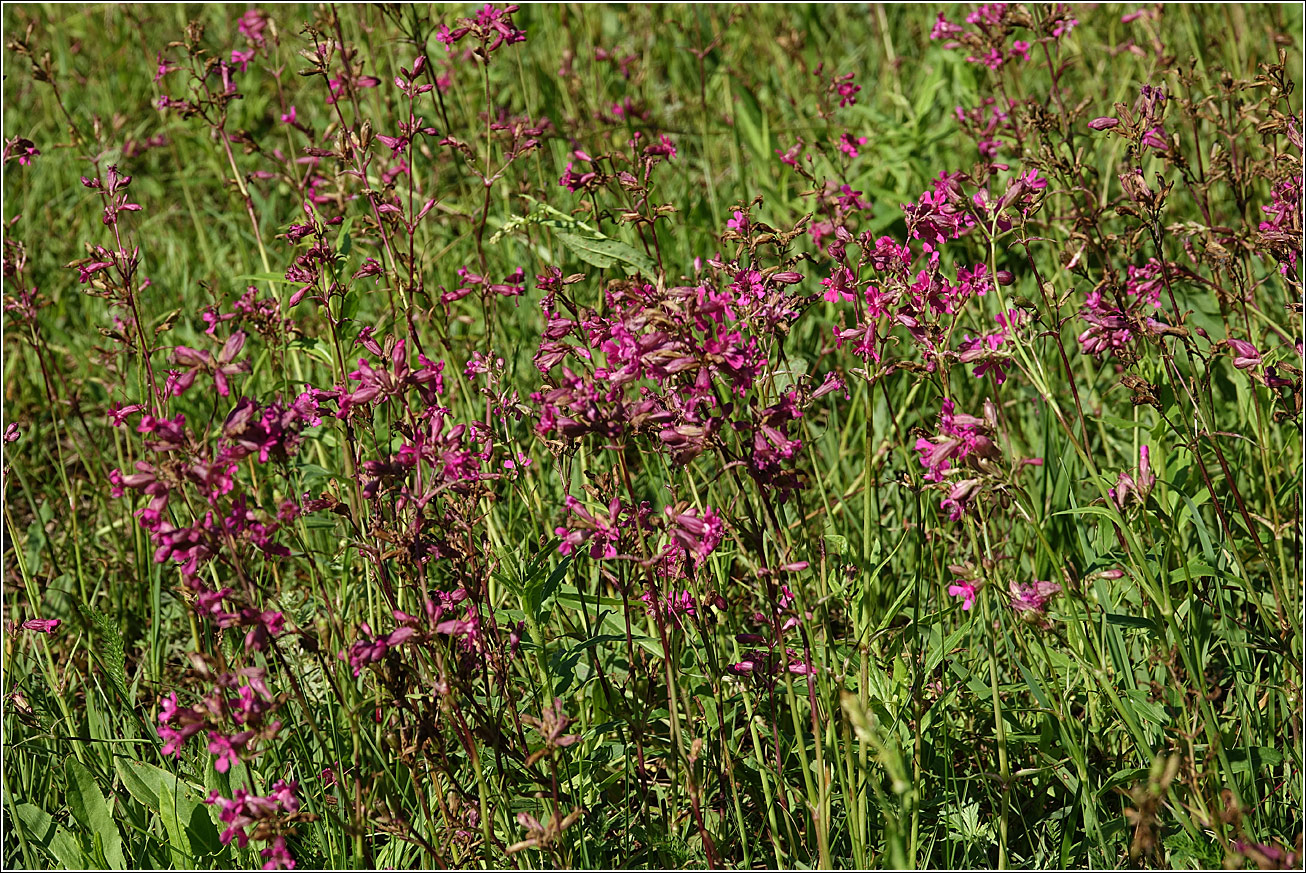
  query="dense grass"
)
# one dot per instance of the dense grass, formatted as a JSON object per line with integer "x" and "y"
{"x": 856, "y": 684}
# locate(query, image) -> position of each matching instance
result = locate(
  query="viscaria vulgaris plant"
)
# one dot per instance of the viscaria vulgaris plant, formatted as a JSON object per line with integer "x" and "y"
{"x": 507, "y": 439}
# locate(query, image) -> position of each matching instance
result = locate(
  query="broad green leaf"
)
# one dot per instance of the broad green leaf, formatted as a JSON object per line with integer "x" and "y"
{"x": 92, "y": 812}
{"x": 54, "y": 839}
{"x": 141, "y": 781}
{"x": 1256, "y": 759}
{"x": 173, "y": 812}
{"x": 585, "y": 242}
{"x": 602, "y": 252}
{"x": 343, "y": 240}
{"x": 188, "y": 822}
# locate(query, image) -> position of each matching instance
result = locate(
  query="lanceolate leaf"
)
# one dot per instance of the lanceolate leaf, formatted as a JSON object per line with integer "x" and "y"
{"x": 92, "y": 812}
{"x": 55, "y": 839}
{"x": 583, "y": 241}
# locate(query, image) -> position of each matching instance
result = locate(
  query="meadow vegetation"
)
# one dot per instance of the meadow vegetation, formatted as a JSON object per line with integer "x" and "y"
{"x": 652, "y": 436}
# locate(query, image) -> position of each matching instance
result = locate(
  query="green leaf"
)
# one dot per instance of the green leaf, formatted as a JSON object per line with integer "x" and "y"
{"x": 343, "y": 240}
{"x": 141, "y": 781}
{"x": 1088, "y": 510}
{"x": 1133, "y": 621}
{"x": 265, "y": 277}
{"x": 54, "y": 839}
{"x": 1035, "y": 686}
{"x": 1145, "y": 709}
{"x": 538, "y": 593}
{"x": 188, "y": 823}
{"x": 92, "y": 812}
{"x": 836, "y": 544}
{"x": 1256, "y": 759}
{"x": 1127, "y": 776}
{"x": 583, "y": 241}
{"x": 173, "y": 812}
{"x": 602, "y": 252}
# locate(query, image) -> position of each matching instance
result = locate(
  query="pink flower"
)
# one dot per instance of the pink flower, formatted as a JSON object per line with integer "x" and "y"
{"x": 695, "y": 535}
{"x": 1032, "y": 598}
{"x": 21, "y": 149}
{"x": 242, "y": 59}
{"x": 220, "y": 367}
{"x": 1246, "y": 355}
{"x": 959, "y": 437}
{"x": 790, "y": 156}
{"x": 848, "y": 143}
{"x": 277, "y": 855}
{"x": 1134, "y": 487}
{"x": 41, "y": 625}
{"x": 945, "y": 29}
{"x": 664, "y": 147}
{"x": 674, "y": 605}
{"x": 839, "y": 286}
{"x": 845, "y": 88}
{"x": 245, "y": 810}
{"x": 966, "y": 591}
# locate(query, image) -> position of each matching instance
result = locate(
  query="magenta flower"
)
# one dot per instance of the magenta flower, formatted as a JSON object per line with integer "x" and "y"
{"x": 839, "y": 287}
{"x": 22, "y": 150}
{"x": 945, "y": 29}
{"x": 277, "y": 855}
{"x": 601, "y": 532}
{"x": 765, "y": 667}
{"x": 1245, "y": 354}
{"x": 966, "y": 590}
{"x": 694, "y": 534}
{"x": 251, "y": 26}
{"x": 1154, "y": 138}
{"x": 40, "y": 625}
{"x": 1032, "y": 598}
{"x": 197, "y": 361}
{"x": 791, "y": 155}
{"x": 674, "y": 605}
{"x": 370, "y": 648}
{"x": 664, "y": 147}
{"x": 245, "y": 812}
{"x": 960, "y": 497}
{"x": 1135, "y": 487}
{"x": 846, "y": 88}
{"x": 848, "y": 144}
{"x": 960, "y": 436}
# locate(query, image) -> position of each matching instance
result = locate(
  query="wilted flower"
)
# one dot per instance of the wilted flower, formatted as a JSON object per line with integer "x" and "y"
{"x": 1032, "y": 598}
